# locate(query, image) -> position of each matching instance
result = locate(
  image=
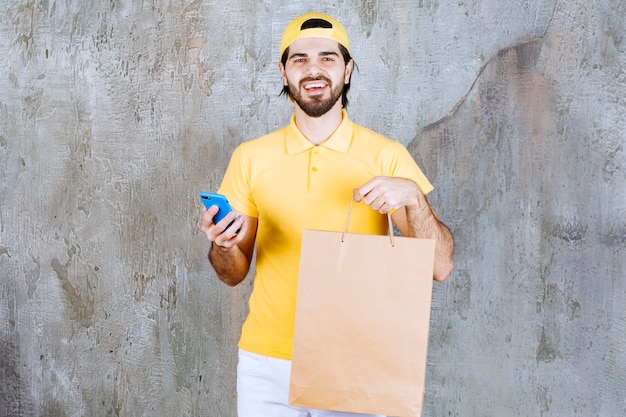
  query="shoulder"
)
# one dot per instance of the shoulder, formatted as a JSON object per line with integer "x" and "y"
{"x": 364, "y": 132}
{"x": 275, "y": 138}
{"x": 266, "y": 145}
{"x": 365, "y": 137}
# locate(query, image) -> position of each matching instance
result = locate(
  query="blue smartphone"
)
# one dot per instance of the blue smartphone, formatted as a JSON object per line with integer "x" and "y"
{"x": 219, "y": 200}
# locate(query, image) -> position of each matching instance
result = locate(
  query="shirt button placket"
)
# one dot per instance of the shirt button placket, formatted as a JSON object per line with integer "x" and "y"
{"x": 314, "y": 179}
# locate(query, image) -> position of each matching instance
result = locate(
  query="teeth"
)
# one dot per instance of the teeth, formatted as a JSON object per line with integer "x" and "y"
{"x": 314, "y": 85}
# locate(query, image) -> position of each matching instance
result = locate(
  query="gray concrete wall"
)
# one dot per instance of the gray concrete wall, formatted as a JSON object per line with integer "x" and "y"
{"x": 114, "y": 114}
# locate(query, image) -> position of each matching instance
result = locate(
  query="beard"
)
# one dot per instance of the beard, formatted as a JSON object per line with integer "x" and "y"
{"x": 315, "y": 106}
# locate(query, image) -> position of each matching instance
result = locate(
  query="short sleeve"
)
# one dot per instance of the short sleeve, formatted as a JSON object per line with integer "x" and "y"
{"x": 405, "y": 166}
{"x": 236, "y": 184}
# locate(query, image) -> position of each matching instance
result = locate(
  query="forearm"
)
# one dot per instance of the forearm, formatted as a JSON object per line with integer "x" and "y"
{"x": 230, "y": 264}
{"x": 424, "y": 223}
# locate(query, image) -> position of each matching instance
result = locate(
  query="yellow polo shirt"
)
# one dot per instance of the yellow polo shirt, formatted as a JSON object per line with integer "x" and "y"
{"x": 290, "y": 185}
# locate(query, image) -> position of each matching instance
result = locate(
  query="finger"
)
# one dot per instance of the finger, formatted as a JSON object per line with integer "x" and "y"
{"x": 228, "y": 219}
{"x": 376, "y": 203}
{"x": 210, "y": 212}
{"x": 363, "y": 190}
{"x": 206, "y": 223}
{"x": 375, "y": 198}
{"x": 207, "y": 217}
{"x": 384, "y": 209}
{"x": 233, "y": 234}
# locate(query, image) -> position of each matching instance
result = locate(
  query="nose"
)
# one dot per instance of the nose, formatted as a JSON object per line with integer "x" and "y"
{"x": 314, "y": 69}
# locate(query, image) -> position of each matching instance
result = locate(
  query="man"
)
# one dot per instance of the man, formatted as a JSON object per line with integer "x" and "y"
{"x": 303, "y": 177}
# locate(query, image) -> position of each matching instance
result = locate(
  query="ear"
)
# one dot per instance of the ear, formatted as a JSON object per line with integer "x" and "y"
{"x": 283, "y": 74}
{"x": 348, "y": 72}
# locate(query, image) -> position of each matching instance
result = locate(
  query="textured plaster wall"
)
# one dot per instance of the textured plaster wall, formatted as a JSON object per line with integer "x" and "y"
{"x": 114, "y": 114}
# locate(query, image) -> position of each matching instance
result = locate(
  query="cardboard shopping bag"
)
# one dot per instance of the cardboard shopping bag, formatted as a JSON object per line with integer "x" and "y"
{"x": 362, "y": 320}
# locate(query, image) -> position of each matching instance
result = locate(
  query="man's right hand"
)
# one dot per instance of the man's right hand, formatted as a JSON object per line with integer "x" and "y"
{"x": 231, "y": 247}
{"x": 220, "y": 234}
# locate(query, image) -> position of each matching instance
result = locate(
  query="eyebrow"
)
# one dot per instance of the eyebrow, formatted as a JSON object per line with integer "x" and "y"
{"x": 304, "y": 55}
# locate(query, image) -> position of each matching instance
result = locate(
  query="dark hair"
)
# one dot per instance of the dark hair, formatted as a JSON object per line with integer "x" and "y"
{"x": 346, "y": 58}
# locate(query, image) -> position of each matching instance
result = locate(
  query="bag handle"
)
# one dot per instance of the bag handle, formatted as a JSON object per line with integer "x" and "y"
{"x": 345, "y": 230}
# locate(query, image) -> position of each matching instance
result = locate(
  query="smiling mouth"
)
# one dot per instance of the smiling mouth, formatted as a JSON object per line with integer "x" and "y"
{"x": 314, "y": 85}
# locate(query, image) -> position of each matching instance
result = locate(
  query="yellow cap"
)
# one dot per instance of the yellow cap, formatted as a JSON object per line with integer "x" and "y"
{"x": 330, "y": 28}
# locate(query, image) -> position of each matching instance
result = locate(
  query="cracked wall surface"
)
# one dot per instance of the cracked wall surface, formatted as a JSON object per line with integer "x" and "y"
{"x": 113, "y": 115}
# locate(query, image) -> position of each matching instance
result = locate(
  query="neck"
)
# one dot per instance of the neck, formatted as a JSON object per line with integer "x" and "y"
{"x": 318, "y": 129}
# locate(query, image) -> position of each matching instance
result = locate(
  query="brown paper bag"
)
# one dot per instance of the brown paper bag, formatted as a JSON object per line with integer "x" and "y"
{"x": 362, "y": 319}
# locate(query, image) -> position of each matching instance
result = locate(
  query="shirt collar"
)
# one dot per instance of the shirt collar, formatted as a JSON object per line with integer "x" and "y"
{"x": 339, "y": 141}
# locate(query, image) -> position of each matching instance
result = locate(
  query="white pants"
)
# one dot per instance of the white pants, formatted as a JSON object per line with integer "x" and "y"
{"x": 263, "y": 389}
